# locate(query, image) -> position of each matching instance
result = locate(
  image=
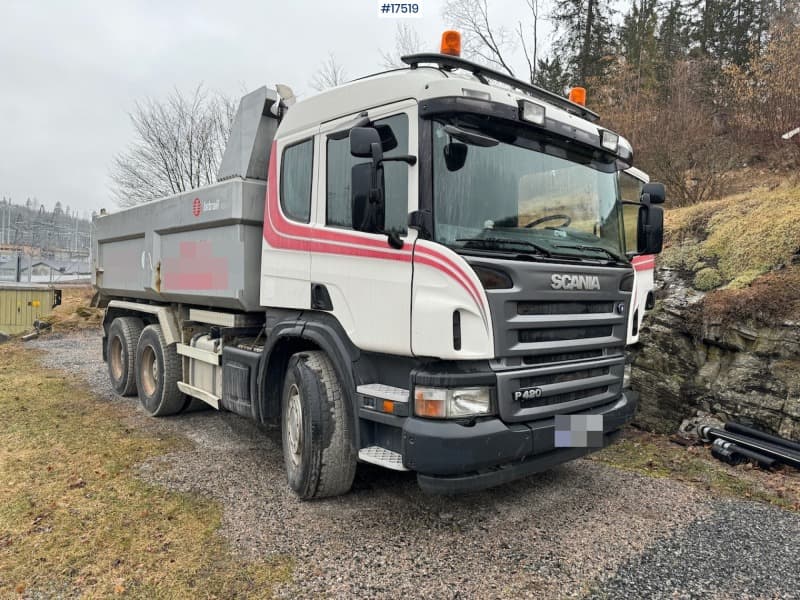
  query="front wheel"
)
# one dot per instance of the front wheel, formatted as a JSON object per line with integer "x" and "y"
{"x": 318, "y": 449}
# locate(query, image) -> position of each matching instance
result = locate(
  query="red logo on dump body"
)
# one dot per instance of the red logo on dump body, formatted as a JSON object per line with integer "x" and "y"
{"x": 197, "y": 207}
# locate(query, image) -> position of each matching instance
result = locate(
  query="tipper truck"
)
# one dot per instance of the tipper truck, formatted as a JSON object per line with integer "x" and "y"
{"x": 423, "y": 269}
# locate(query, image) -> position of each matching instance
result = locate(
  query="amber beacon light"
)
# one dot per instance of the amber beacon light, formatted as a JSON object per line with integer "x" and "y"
{"x": 578, "y": 95}
{"x": 451, "y": 43}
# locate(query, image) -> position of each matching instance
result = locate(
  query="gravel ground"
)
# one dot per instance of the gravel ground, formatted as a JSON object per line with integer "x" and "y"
{"x": 583, "y": 528}
{"x": 742, "y": 549}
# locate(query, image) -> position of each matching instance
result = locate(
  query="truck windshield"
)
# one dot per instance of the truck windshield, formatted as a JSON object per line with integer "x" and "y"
{"x": 499, "y": 188}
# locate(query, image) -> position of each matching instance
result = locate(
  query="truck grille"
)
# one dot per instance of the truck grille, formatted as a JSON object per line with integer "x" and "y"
{"x": 562, "y": 398}
{"x": 543, "y": 359}
{"x": 563, "y": 349}
{"x": 564, "y": 308}
{"x": 533, "y": 336}
{"x": 539, "y": 380}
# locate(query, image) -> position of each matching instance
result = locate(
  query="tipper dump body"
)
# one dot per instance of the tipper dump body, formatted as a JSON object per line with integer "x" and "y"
{"x": 200, "y": 247}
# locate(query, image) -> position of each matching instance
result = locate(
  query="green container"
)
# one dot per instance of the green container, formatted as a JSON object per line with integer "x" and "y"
{"x": 21, "y": 304}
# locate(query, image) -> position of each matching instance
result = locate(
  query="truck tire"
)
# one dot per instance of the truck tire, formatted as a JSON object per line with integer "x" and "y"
{"x": 123, "y": 335}
{"x": 158, "y": 369}
{"x": 318, "y": 449}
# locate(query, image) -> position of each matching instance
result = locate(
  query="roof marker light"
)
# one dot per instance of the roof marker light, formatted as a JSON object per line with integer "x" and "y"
{"x": 451, "y": 43}
{"x": 578, "y": 95}
{"x": 531, "y": 112}
{"x": 476, "y": 94}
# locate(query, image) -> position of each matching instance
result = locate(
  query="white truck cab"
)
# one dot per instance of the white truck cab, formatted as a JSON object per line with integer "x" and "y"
{"x": 425, "y": 269}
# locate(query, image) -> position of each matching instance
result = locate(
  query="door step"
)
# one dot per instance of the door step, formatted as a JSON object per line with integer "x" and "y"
{"x": 388, "y": 459}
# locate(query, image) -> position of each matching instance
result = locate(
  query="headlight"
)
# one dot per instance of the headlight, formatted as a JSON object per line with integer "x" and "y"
{"x": 455, "y": 403}
{"x": 626, "y": 376}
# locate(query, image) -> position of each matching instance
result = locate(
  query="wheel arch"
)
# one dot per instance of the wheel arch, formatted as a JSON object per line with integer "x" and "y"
{"x": 149, "y": 313}
{"x": 323, "y": 333}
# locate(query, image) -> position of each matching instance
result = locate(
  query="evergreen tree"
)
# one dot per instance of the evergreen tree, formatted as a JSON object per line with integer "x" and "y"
{"x": 673, "y": 33}
{"x": 731, "y": 32}
{"x": 585, "y": 36}
{"x": 638, "y": 44}
{"x": 551, "y": 75}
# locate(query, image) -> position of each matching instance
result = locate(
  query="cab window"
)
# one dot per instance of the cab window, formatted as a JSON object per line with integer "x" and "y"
{"x": 394, "y": 135}
{"x": 296, "y": 176}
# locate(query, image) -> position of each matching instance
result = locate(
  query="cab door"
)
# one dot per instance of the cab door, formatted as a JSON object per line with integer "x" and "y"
{"x": 367, "y": 281}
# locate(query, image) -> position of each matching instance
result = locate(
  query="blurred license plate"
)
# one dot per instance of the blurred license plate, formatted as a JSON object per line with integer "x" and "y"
{"x": 579, "y": 431}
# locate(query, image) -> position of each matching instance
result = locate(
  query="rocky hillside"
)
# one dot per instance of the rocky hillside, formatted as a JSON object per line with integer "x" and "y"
{"x": 724, "y": 338}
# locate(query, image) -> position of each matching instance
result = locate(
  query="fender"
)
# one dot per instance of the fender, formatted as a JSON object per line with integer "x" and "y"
{"x": 304, "y": 331}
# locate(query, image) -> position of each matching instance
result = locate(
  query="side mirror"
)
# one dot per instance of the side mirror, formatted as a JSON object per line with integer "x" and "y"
{"x": 656, "y": 193}
{"x": 650, "y": 229}
{"x": 365, "y": 142}
{"x": 368, "y": 210}
{"x": 455, "y": 155}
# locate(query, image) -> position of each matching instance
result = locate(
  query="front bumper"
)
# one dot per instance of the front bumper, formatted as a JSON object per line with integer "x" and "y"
{"x": 453, "y": 458}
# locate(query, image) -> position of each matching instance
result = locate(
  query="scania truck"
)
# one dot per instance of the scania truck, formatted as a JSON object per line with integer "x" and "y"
{"x": 424, "y": 269}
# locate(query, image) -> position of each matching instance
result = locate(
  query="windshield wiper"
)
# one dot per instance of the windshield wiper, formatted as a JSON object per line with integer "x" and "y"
{"x": 606, "y": 251}
{"x": 494, "y": 240}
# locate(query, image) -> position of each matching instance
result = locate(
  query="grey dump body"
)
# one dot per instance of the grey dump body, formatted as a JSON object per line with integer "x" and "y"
{"x": 201, "y": 247}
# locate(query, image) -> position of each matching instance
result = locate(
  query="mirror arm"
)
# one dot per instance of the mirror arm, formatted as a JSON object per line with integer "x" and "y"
{"x": 394, "y": 240}
{"x": 409, "y": 159}
{"x": 341, "y": 134}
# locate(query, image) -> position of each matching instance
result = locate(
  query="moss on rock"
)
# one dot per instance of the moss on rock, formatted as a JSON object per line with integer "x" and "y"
{"x": 707, "y": 279}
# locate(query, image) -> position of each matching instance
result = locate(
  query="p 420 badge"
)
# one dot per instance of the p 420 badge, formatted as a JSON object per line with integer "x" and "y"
{"x": 524, "y": 394}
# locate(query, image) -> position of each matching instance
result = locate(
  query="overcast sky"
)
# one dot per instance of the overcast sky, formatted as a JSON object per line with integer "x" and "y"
{"x": 71, "y": 71}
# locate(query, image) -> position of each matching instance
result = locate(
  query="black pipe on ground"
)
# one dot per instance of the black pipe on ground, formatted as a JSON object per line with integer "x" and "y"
{"x": 724, "y": 454}
{"x": 739, "y": 454}
{"x": 755, "y": 433}
{"x": 780, "y": 453}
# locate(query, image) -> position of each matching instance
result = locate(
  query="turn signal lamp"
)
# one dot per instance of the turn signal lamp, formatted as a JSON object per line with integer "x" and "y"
{"x": 578, "y": 95}
{"x": 451, "y": 43}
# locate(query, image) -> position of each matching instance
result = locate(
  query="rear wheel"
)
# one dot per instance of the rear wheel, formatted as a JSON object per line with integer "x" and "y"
{"x": 318, "y": 449}
{"x": 123, "y": 336}
{"x": 158, "y": 369}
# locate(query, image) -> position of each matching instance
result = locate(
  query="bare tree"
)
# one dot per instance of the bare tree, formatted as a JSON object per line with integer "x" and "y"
{"x": 530, "y": 51}
{"x": 483, "y": 40}
{"x": 406, "y": 41}
{"x": 329, "y": 74}
{"x": 178, "y": 146}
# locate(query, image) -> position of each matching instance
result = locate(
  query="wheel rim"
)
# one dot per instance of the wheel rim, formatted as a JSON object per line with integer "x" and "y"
{"x": 150, "y": 371}
{"x": 294, "y": 425}
{"x": 115, "y": 358}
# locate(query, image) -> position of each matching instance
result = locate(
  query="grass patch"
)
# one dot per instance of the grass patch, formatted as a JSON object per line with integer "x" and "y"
{"x": 76, "y": 520}
{"x": 750, "y": 232}
{"x": 767, "y": 300}
{"x": 707, "y": 279}
{"x": 655, "y": 456}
